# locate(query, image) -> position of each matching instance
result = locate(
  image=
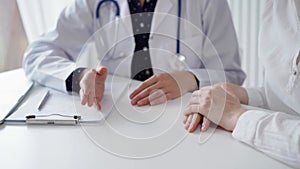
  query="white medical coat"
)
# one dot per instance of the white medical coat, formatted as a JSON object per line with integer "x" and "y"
{"x": 208, "y": 41}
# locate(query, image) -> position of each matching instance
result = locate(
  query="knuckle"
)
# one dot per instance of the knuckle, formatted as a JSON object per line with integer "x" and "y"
{"x": 168, "y": 97}
{"x": 157, "y": 76}
{"x": 143, "y": 85}
{"x": 205, "y": 104}
{"x": 148, "y": 91}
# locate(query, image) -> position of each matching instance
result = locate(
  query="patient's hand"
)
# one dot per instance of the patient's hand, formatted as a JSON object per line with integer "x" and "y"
{"x": 192, "y": 121}
{"x": 235, "y": 90}
{"x": 162, "y": 87}
{"x": 217, "y": 105}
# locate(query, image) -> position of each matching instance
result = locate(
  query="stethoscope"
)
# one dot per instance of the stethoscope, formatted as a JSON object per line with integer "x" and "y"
{"x": 181, "y": 58}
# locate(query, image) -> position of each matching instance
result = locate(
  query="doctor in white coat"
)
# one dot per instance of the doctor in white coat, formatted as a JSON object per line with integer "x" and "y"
{"x": 207, "y": 40}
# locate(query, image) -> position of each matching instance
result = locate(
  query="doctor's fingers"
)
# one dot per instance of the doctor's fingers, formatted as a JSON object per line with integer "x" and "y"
{"x": 102, "y": 71}
{"x": 91, "y": 98}
{"x": 83, "y": 100}
{"x": 99, "y": 91}
{"x": 97, "y": 103}
{"x": 158, "y": 97}
{"x": 97, "y": 100}
{"x": 84, "y": 96}
{"x": 101, "y": 76}
{"x": 145, "y": 93}
{"x": 149, "y": 82}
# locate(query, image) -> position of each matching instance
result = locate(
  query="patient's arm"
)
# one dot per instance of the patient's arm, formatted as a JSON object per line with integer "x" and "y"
{"x": 274, "y": 133}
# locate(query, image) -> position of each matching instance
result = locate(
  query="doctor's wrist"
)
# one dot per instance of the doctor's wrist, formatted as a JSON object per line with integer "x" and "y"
{"x": 192, "y": 81}
{"x": 73, "y": 81}
{"x": 84, "y": 71}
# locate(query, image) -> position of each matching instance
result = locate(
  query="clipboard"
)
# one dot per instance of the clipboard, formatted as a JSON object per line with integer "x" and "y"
{"x": 65, "y": 109}
{"x": 13, "y": 94}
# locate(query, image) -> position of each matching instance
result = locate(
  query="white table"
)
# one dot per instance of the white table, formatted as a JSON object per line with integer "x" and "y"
{"x": 69, "y": 147}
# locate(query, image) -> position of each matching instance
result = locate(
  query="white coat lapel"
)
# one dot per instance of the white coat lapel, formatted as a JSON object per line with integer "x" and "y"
{"x": 297, "y": 4}
{"x": 125, "y": 16}
{"x": 162, "y": 9}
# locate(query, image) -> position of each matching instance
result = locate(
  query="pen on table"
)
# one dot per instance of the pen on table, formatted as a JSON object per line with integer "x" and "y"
{"x": 43, "y": 100}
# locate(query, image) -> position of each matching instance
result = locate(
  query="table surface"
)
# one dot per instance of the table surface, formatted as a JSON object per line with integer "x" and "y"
{"x": 148, "y": 137}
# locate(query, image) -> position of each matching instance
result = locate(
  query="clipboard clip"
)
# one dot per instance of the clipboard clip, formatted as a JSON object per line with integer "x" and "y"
{"x": 47, "y": 120}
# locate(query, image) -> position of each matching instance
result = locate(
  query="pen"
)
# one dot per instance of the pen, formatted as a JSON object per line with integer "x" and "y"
{"x": 43, "y": 100}
{"x": 51, "y": 122}
{"x": 35, "y": 119}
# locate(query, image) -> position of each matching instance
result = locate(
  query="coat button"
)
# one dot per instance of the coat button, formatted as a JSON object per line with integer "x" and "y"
{"x": 294, "y": 72}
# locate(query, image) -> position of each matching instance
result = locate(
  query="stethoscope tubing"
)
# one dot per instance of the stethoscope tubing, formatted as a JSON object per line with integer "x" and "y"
{"x": 118, "y": 16}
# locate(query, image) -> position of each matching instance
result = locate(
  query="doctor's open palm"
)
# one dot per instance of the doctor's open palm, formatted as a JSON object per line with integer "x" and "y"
{"x": 92, "y": 86}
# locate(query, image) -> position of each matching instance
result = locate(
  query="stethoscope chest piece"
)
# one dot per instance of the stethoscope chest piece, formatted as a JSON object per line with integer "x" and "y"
{"x": 181, "y": 58}
{"x": 178, "y": 62}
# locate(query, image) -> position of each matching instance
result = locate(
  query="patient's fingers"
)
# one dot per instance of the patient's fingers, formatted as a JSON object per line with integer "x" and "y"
{"x": 185, "y": 119}
{"x": 205, "y": 124}
{"x": 188, "y": 122}
{"x": 195, "y": 122}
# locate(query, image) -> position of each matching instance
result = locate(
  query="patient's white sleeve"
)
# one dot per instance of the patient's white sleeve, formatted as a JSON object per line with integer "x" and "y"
{"x": 275, "y": 133}
{"x": 257, "y": 97}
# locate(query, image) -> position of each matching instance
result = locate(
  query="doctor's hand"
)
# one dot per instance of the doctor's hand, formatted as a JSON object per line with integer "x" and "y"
{"x": 92, "y": 86}
{"x": 215, "y": 104}
{"x": 162, "y": 87}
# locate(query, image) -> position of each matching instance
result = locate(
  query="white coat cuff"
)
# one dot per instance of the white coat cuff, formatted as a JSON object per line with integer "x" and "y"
{"x": 57, "y": 79}
{"x": 246, "y": 126}
{"x": 255, "y": 98}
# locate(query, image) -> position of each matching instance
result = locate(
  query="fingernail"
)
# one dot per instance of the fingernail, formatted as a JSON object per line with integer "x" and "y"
{"x": 133, "y": 102}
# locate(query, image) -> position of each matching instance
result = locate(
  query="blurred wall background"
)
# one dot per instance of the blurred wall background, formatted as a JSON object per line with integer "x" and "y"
{"x": 39, "y": 16}
{"x": 246, "y": 17}
{"x": 13, "y": 40}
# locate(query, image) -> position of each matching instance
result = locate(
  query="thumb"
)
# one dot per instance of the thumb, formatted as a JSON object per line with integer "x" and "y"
{"x": 102, "y": 72}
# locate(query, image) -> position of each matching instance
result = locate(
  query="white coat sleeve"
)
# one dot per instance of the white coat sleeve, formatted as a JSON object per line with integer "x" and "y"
{"x": 218, "y": 27}
{"x": 275, "y": 133}
{"x": 257, "y": 97}
{"x": 51, "y": 59}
